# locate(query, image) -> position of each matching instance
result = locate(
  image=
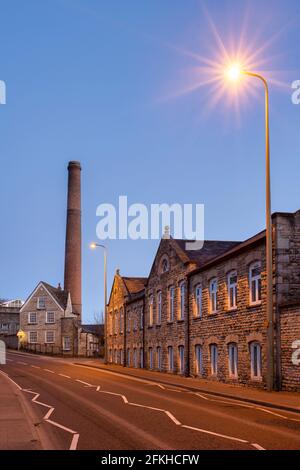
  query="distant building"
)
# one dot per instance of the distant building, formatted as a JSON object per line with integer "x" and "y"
{"x": 203, "y": 313}
{"x": 91, "y": 340}
{"x": 10, "y": 321}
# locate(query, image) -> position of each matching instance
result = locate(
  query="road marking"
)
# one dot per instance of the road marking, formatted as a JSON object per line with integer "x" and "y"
{"x": 116, "y": 394}
{"x": 215, "y": 434}
{"x": 47, "y": 415}
{"x": 15, "y": 383}
{"x": 258, "y": 447}
{"x": 10, "y": 360}
{"x": 98, "y": 388}
{"x": 84, "y": 383}
{"x": 35, "y": 367}
{"x": 23, "y": 363}
{"x": 60, "y": 426}
{"x": 66, "y": 376}
{"x": 48, "y": 370}
{"x": 74, "y": 442}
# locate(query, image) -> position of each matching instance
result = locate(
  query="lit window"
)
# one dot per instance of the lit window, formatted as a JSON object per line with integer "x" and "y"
{"x": 214, "y": 359}
{"x": 151, "y": 310}
{"x": 41, "y": 303}
{"x": 181, "y": 359}
{"x": 158, "y": 353}
{"x": 32, "y": 318}
{"x": 232, "y": 290}
{"x": 198, "y": 301}
{"x": 255, "y": 283}
{"x": 32, "y": 337}
{"x": 213, "y": 295}
{"x": 233, "y": 360}
{"x": 66, "y": 343}
{"x": 198, "y": 358}
{"x": 150, "y": 358}
{"x": 49, "y": 337}
{"x": 255, "y": 358}
{"x": 171, "y": 303}
{"x": 182, "y": 301}
{"x": 170, "y": 359}
{"x": 159, "y": 307}
{"x": 50, "y": 317}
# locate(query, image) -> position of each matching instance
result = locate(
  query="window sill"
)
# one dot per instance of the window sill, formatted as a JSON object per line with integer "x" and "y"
{"x": 170, "y": 322}
{"x": 197, "y": 318}
{"x": 158, "y": 325}
{"x": 50, "y": 323}
{"x": 231, "y": 310}
{"x": 254, "y": 305}
{"x": 212, "y": 314}
{"x": 180, "y": 320}
{"x": 32, "y": 324}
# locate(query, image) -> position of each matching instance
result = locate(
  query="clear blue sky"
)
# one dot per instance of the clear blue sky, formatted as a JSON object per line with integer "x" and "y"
{"x": 88, "y": 80}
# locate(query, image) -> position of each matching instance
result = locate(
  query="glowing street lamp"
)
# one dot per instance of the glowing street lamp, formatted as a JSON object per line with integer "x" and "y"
{"x": 234, "y": 73}
{"x": 94, "y": 246}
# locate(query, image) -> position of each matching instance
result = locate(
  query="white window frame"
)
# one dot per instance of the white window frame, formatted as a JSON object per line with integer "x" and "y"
{"x": 198, "y": 301}
{"x": 256, "y": 367}
{"x": 29, "y": 337}
{"x": 170, "y": 359}
{"x": 213, "y": 359}
{"x": 181, "y": 300}
{"x": 171, "y": 302}
{"x": 39, "y": 301}
{"x": 30, "y": 322}
{"x": 46, "y": 340}
{"x": 47, "y": 319}
{"x": 159, "y": 357}
{"x": 213, "y": 296}
{"x": 181, "y": 364}
{"x": 232, "y": 287}
{"x": 150, "y": 358}
{"x": 233, "y": 360}
{"x": 199, "y": 360}
{"x": 159, "y": 307}
{"x": 64, "y": 343}
{"x": 256, "y": 279}
{"x": 151, "y": 319}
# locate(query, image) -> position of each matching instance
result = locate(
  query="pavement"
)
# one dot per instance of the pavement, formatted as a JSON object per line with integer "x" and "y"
{"x": 17, "y": 431}
{"x": 95, "y": 407}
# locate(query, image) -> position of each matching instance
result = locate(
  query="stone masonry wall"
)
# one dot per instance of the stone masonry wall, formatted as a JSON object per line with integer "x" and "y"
{"x": 290, "y": 347}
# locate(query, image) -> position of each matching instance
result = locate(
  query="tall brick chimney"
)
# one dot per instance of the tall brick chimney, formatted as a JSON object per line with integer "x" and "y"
{"x": 72, "y": 281}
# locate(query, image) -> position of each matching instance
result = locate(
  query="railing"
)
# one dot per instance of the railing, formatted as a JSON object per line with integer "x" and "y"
{"x": 39, "y": 348}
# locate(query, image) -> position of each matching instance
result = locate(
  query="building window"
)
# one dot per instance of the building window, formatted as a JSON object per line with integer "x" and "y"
{"x": 135, "y": 362}
{"x": 165, "y": 265}
{"x": 110, "y": 323}
{"x": 151, "y": 310}
{"x": 213, "y": 295}
{"x": 182, "y": 301}
{"x": 255, "y": 283}
{"x": 121, "y": 320}
{"x": 32, "y": 336}
{"x": 170, "y": 359}
{"x": 198, "y": 302}
{"x": 50, "y": 317}
{"x": 66, "y": 343}
{"x": 150, "y": 358}
{"x": 158, "y": 354}
{"x": 181, "y": 359}
{"x": 141, "y": 319}
{"x": 255, "y": 357}
{"x": 214, "y": 359}
{"x": 171, "y": 303}
{"x": 116, "y": 356}
{"x": 233, "y": 360}
{"x": 49, "y": 336}
{"x": 121, "y": 357}
{"x": 198, "y": 359}
{"x": 159, "y": 307}
{"x": 128, "y": 357}
{"x": 142, "y": 358}
{"x": 41, "y": 303}
{"x": 32, "y": 318}
{"x": 128, "y": 322}
{"x": 116, "y": 323}
{"x": 232, "y": 290}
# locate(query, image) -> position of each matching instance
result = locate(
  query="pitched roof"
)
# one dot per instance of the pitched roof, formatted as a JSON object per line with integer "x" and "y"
{"x": 210, "y": 250}
{"x": 97, "y": 330}
{"x": 134, "y": 284}
{"x": 60, "y": 295}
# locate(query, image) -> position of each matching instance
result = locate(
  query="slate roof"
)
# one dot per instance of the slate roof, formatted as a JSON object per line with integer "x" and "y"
{"x": 60, "y": 295}
{"x": 210, "y": 250}
{"x": 134, "y": 284}
{"x": 97, "y": 330}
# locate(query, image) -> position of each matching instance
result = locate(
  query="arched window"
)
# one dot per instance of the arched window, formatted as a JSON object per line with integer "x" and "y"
{"x": 198, "y": 360}
{"x": 171, "y": 303}
{"x": 214, "y": 359}
{"x": 150, "y": 358}
{"x": 198, "y": 301}
{"x": 255, "y": 283}
{"x": 159, "y": 307}
{"x": 151, "y": 310}
{"x": 255, "y": 360}
{"x": 213, "y": 295}
{"x": 182, "y": 300}
{"x": 170, "y": 359}
{"x": 233, "y": 360}
{"x": 181, "y": 359}
{"x": 159, "y": 358}
{"x": 232, "y": 290}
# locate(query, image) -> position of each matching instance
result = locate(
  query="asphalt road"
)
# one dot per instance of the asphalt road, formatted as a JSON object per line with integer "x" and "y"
{"x": 84, "y": 408}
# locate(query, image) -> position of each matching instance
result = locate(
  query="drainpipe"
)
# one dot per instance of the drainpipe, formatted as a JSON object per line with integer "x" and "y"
{"x": 187, "y": 330}
{"x": 144, "y": 331}
{"x": 125, "y": 329}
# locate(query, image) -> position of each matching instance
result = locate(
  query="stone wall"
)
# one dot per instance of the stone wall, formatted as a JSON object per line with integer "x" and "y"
{"x": 290, "y": 347}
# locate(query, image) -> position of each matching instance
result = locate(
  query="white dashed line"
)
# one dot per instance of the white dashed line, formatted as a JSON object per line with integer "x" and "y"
{"x": 48, "y": 370}
{"x": 23, "y": 363}
{"x": 216, "y": 434}
{"x": 258, "y": 447}
{"x": 66, "y": 376}
{"x": 35, "y": 367}
{"x": 84, "y": 383}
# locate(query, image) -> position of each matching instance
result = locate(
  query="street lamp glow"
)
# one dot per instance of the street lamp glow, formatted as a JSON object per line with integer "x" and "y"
{"x": 234, "y": 72}
{"x": 93, "y": 245}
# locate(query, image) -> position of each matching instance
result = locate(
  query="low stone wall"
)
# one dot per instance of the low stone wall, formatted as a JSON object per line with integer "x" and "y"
{"x": 290, "y": 347}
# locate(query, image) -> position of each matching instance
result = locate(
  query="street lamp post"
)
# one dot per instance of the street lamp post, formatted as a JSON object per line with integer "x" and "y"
{"x": 233, "y": 73}
{"x": 94, "y": 246}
